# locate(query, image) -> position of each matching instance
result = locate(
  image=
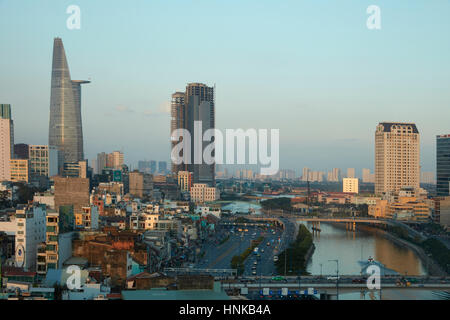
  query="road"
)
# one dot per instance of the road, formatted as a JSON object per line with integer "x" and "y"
{"x": 218, "y": 256}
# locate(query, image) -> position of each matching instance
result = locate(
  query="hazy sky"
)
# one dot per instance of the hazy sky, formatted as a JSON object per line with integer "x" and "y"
{"x": 310, "y": 68}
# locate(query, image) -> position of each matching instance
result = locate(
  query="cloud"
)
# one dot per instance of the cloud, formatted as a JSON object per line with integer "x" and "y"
{"x": 124, "y": 109}
{"x": 161, "y": 110}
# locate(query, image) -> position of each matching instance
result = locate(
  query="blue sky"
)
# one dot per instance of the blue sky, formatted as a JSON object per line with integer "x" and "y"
{"x": 310, "y": 68}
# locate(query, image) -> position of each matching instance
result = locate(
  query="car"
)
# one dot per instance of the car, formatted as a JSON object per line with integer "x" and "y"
{"x": 279, "y": 278}
{"x": 254, "y": 272}
{"x": 275, "y": 258}
{"x": 333, "y": 278}
{"x": 357, "y": 281}
{"x": 268, "y": 243}
{"x": 255, "y": 263}
{"x": 262, "y": 250}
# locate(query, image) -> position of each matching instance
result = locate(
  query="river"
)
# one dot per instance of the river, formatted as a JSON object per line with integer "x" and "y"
{"x": 349, "y": 247}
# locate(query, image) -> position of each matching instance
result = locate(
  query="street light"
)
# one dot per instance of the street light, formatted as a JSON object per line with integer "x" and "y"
{"x": 337, "y": 278}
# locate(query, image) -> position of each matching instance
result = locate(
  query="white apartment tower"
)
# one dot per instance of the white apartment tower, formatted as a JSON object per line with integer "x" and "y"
{"x": 397, "y": 157}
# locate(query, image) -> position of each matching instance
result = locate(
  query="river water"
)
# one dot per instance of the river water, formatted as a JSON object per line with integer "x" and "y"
{"x": 334, "y": 242}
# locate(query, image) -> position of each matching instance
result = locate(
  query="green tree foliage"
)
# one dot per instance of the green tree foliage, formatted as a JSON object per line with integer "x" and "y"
{"x": 295, "y": 254}
{"x": 277, "y": 203}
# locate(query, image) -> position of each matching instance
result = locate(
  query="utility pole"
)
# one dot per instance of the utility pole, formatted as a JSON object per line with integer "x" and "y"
{"x": 337, "y": 278}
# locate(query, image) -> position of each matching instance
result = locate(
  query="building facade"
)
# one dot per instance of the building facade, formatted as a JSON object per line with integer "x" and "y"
{"x": 196, "y": 105}
{"x": 185, "y": 180}
{"x": 443, "y": 165}
{"x": 350, "y": 185}
{"x": 141, "y": 184}
{"x": 19, "y": 170}
{"x": 6, "y": 141}
{"x": 397, "y": 157}
{"x": 31, "y": 231}
{"x": 65, "y": 127}
{"x": 43, "y": 160}
{"x": 71, "y": 191}
{"x": 201, "y": 192}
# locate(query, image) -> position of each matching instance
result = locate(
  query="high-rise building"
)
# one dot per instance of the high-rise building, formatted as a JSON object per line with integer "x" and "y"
{"x": 305, "y": 174}
{"x": 334, "y": 175}
{"x": 185, "y": 180}
{"x": 6, "y": 141}
{"x": 195, "y": 105}
{"x": 162, "y": 167}
{"x": 75, "y": 169}
{"x": 65, "y": 128}
{"x": 144, "y": 166}
{"x": 367, "y": 176}
{"x": 43, "y": 160}
{"x": 427, "y": 177}
{"x": 21, "y": 151}
{"x": 397, "y": 157}
{"x": 350, "y": 185}
{"x": 443, "y": 165}
{"x": 177, "y": 122}
{"x": 113, "y": 160}
{"x": 350, "y": 172}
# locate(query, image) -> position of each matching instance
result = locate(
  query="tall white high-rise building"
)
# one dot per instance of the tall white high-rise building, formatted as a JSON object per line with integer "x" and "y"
{"x": 397, "y": 156}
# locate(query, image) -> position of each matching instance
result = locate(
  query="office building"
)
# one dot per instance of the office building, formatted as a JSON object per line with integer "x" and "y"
{"x": 65, "y": 127}
{"x": 443, "y": 165}
{"x": 75, "y": 169}
{"x": 350, "y": 185}
{"x": 6, "y": 141}
{"x": 43, "y": 160}
{"x": 397, "y": 157}
{"x": 19, "y": 169}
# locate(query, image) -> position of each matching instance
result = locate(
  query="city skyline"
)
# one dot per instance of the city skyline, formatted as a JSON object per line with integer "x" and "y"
{"x": 251, "y": 86}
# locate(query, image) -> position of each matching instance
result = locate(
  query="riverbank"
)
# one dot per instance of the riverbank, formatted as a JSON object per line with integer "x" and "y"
{"x": 298, "y": 253}
{"x": 432, "y": 268}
